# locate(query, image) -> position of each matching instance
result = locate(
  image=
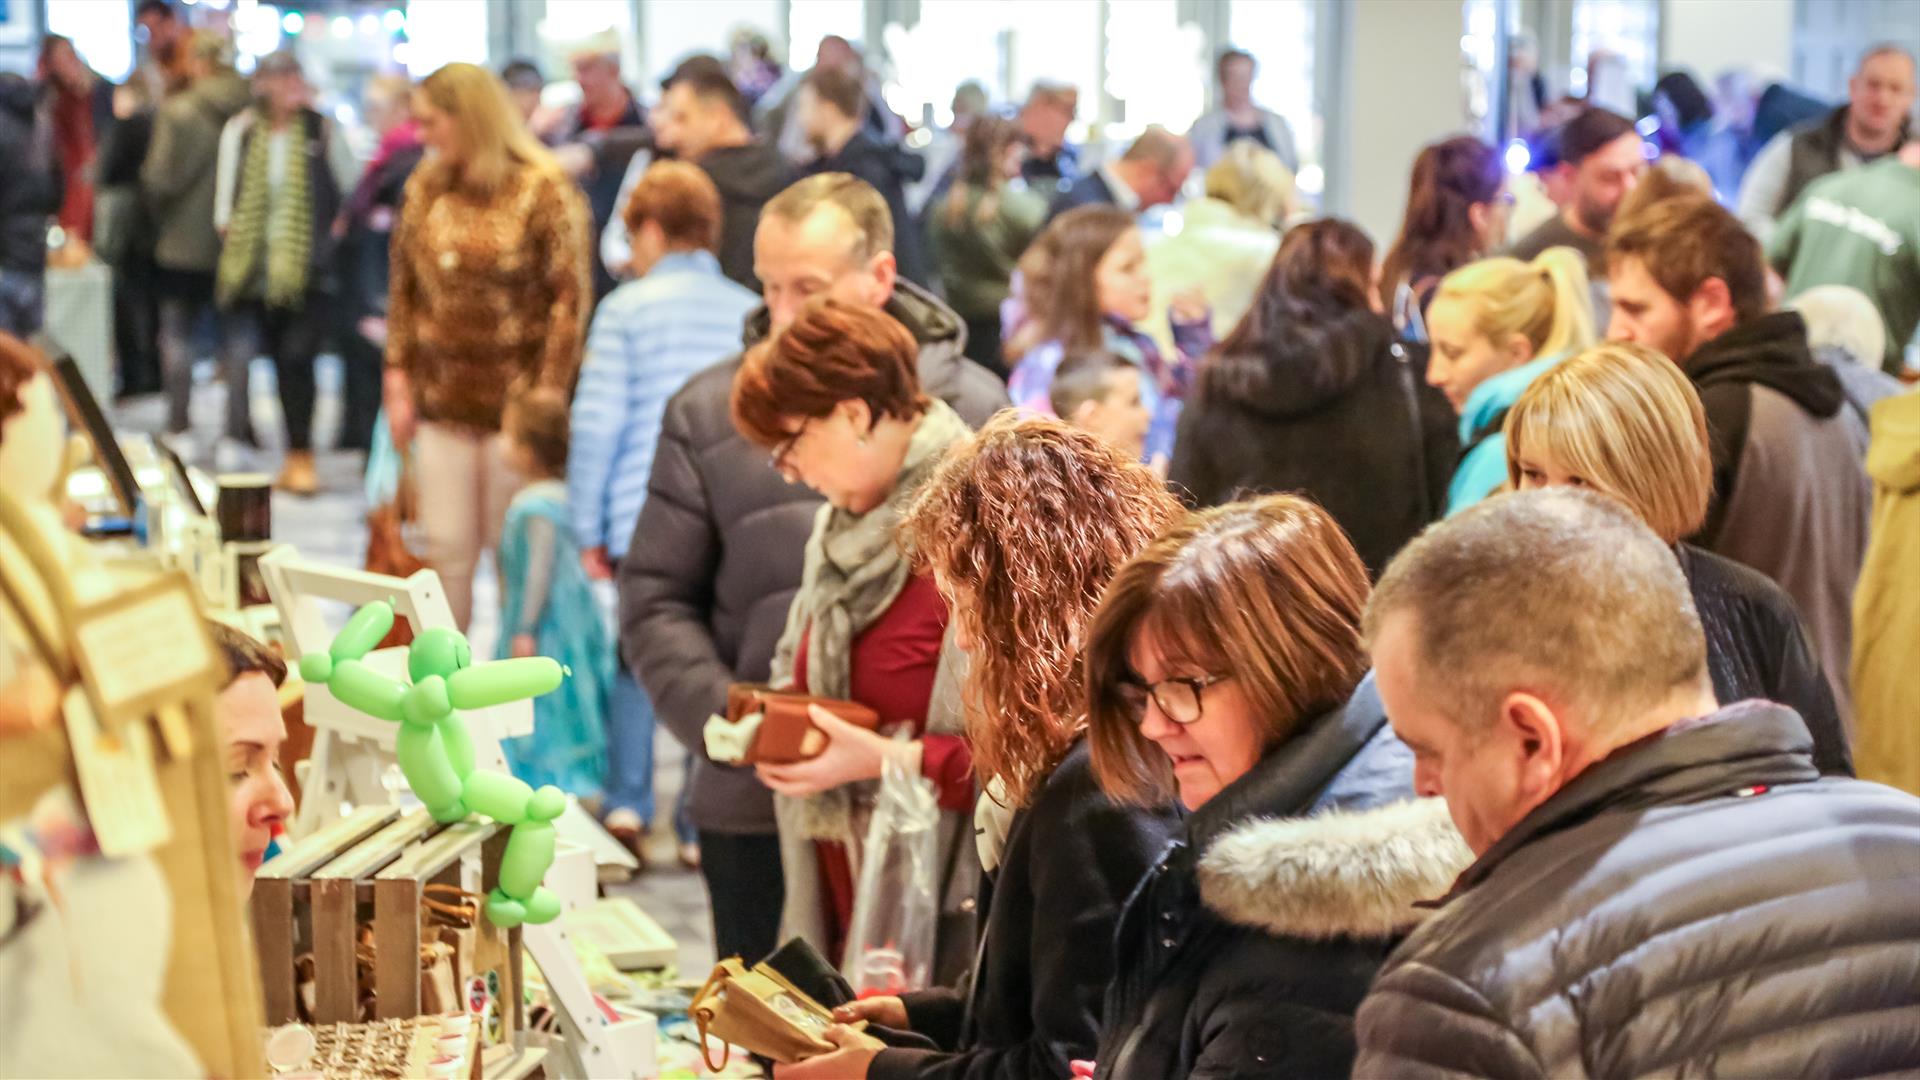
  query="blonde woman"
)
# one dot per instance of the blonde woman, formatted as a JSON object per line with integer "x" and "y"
{"x": 489, "y": 295}
{"x": 1625, "y": 421}
{"x": 1497, "y": 325}
{"x": 1225, "y": 241}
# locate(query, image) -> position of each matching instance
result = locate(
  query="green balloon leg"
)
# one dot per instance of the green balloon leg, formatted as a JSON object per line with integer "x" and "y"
{"x": 436, "y": 752}
{"x": 429, "y": 773}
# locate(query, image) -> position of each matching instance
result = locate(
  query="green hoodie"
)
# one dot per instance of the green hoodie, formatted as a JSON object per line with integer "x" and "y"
{"x": 1859, "y": 227}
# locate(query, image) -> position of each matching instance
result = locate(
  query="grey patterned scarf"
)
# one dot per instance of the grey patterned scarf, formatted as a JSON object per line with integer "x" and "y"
{"x": 854, "y": 571}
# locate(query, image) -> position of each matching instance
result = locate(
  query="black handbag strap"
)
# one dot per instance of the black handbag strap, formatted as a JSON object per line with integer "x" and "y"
{"x": 1403, "y": 361}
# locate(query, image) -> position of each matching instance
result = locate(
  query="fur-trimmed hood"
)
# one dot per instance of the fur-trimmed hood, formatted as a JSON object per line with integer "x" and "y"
{"x": 1355, "y": 873}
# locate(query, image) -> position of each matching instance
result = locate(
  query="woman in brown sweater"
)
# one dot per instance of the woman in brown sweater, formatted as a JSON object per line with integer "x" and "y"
{"x": 489, "y": 296}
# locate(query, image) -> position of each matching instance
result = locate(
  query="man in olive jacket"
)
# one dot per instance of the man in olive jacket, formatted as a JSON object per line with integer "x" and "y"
{"x": 1663, "y": 886}
{"x": 717, "y": 549}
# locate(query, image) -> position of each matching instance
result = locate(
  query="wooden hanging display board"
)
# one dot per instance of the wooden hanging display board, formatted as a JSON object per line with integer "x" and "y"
{"x": 139, "y": 744}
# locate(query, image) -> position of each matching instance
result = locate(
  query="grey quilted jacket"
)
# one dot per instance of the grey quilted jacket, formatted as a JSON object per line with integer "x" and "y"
{"x": 1700, "y": 903}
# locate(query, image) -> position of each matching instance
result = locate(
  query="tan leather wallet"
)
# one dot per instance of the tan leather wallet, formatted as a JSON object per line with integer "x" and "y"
{"x": 782, "y": 738}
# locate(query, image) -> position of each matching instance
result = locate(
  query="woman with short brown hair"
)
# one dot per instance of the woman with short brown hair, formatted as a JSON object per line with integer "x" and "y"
{"x": 836, "y": 398}
{"x": 1022, "y": 527}
{"x": 1226, "y": 664}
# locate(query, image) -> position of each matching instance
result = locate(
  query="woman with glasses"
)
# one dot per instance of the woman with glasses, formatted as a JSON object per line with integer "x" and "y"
{"x": 1022, "y": 527}
{"x": 1225, "y": 666}
{"x": 836, "y": 401}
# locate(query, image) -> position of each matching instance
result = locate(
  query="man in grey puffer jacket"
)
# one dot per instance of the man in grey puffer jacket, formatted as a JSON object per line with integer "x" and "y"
{"x": 717, "y": 549}
{"x": 1663, "y": 886}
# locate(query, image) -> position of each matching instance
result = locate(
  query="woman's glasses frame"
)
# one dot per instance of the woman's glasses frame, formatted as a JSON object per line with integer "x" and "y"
{"x": 778, "y": 459}
{"x": 1181, "y": 700}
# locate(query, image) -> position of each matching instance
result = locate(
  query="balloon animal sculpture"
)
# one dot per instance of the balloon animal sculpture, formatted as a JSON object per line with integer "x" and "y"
{"x": 435, "y": 751}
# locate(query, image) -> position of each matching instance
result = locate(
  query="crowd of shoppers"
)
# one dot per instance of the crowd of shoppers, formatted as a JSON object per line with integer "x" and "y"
{"x": 1212, "y": 802}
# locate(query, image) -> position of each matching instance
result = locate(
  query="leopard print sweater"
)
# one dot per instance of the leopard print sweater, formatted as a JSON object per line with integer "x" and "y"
{"x": 489, "y": 293}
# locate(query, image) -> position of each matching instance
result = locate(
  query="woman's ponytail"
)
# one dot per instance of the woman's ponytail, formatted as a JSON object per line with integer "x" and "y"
{"x": 1571, "y": 324}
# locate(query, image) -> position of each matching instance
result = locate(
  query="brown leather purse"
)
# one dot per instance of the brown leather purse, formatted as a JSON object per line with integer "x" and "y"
{"x": 786, "y": 734}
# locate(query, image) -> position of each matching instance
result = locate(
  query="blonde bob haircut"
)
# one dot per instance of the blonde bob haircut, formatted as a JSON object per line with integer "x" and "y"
{"x": 1269, "y": 592}
{"x": 494, "y": 143}
{"x": 1626, "y": 421}
{"x": 1548, "y": 301}
{"x": 1253, "y": 180}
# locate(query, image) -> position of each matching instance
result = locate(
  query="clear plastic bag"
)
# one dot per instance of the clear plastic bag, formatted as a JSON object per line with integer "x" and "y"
{"x": 896, "y": 906}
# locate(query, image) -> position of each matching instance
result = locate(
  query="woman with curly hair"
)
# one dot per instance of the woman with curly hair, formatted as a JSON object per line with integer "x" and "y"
{"x": 1022, "y": 527}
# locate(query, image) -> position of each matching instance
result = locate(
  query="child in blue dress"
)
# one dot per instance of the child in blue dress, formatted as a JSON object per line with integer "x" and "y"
{"x": 548, "y": 609}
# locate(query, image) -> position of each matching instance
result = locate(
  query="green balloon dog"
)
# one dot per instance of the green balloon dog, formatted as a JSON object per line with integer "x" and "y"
{"x": 437, "y": 755}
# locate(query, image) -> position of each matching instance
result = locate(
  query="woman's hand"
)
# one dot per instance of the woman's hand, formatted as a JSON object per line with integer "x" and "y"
{"x": 399, "y": 406}
{"x": 1189, "y": 306}
{"x": 886, "y": 1010}
{"x": 522, "y": 645}
{"x": 849, "y": 1062}
{"x": 852, "y": 753}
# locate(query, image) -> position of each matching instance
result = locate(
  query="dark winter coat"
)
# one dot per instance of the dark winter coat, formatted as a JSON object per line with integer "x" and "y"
{"x": 1325, "y": 410}
{"x": 612, "y": 148}
{"x": 324, "y": 197}
{"x": 1790, "y": 491}
{"x": 746, "y": 176}
{"x": 1088, "y": 189}
{"x": 716, "y": 552}
{"x": 32, "y": 192}
{"x": 1072, "y": 856}
{"x": 1700, "y": 903}
{"x": 1247, "y": 948}
{"x": 888, "y": 168}
{"x": 1757, "y": 648}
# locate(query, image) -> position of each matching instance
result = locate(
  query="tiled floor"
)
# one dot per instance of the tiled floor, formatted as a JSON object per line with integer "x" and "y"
{"x": 331, "y": 527}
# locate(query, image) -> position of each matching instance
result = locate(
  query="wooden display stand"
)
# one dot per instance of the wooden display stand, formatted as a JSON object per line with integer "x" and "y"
{"x": 138, "y": 672}
{"x": 370, "y": 870}
{"x": 352, "y": 751}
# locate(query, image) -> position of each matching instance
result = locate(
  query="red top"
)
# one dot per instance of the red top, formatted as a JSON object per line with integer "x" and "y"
{"x": 893, "y": 663}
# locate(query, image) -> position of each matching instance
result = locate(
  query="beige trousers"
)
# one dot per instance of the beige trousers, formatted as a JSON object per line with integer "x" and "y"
{"x": 464, "y": 485}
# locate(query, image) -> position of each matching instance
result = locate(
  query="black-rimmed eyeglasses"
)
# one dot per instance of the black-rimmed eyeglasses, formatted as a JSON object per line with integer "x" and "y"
{"x": 1179, "y": 699}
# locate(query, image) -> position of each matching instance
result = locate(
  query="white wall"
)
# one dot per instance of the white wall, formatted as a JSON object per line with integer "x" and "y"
{"x": 1710, "y": 36}
{"x": 1399, "y": 75}
{"x": 672, "y": 29}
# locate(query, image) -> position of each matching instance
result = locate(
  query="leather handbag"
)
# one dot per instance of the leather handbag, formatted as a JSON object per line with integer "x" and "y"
{"x": 758, "y": 1010}
{"x": 786, "y": 733}
{"x": 387, "y": 549}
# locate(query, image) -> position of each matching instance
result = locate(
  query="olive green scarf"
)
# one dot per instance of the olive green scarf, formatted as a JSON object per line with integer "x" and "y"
{"x": 269, "y": 225}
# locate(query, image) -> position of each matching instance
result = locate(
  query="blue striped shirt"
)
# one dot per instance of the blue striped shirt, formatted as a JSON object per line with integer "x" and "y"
{"x": 648, "y": 337}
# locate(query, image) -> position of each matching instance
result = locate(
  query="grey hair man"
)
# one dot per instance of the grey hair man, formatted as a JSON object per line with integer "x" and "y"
{"x": 1663, "y": 885}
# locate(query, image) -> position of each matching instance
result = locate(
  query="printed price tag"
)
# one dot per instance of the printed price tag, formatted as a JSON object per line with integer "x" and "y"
{"x": 117, "y": 780}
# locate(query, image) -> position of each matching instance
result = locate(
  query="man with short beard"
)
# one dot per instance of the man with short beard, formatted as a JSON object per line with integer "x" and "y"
{"x": 1600, "y": 161}
{"x": 1790, "y": 492}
